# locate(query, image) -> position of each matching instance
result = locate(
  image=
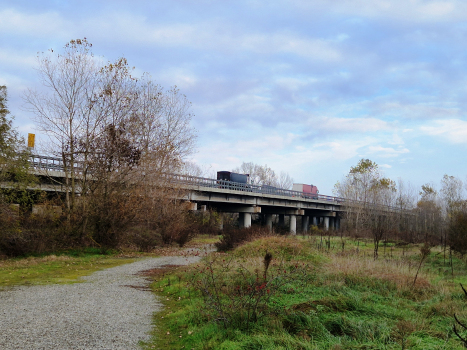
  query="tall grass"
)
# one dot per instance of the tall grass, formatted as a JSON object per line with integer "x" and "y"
{"x": 343, "y": 300}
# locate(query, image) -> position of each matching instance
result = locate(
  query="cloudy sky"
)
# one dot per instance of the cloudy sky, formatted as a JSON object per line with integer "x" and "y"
{"x": 305, "y": 86}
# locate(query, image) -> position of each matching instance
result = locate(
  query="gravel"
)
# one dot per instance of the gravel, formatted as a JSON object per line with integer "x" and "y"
{"x": 104, "y": 312}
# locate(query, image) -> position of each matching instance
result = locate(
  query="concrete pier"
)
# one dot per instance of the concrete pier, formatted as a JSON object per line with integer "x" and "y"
{"x": 245, "y": 220}
{"x": 269, "y": 221}
{"x": 326, "y": 223}
{"x": 293, "y": 224}
{"x": 305, "y": 223}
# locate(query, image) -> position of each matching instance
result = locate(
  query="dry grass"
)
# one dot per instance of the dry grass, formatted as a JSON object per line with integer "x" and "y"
{"x": 395, "y": 271}
{"x": 281, "y": 248}
{"x": 32, "y": 261}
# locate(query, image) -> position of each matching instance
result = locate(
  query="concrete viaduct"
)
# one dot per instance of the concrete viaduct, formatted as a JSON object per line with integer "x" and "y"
{"x": 229, "y": 197}
{"x": 246, "y": 200}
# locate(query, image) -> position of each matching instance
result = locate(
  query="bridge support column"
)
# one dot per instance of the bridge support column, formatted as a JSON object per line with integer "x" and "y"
{"x": 315, "y": 221}
{"x": 338, "y": 223}
{"x": 326, "y": 223}
{"x": 245, "y": 220}
{"x": 305, "y": 223}
{"x": 269, "y": 221}
{"x": 293, "y": 224}
{"x": 281, "y": 220}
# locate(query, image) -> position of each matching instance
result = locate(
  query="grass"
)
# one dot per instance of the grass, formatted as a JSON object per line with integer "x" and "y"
{"x": 68, "y": 266}
{"x": 64, "y": 268}
{"x": 349, "y": 301}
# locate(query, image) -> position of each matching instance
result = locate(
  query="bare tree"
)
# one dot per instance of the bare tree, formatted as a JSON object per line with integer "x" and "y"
{"x": 264, "y": 175}
{"x": 113, "y": 131}
{"x": 284, "y": 180}
{"x": 452, "y": 192}
{"x": 369, "y": 201}
{"x": 405, "y": 201}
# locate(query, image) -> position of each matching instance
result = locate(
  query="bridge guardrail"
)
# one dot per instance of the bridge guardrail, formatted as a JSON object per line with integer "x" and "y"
{"x": 236, "y": 186}
{"x": 56, "y": 164}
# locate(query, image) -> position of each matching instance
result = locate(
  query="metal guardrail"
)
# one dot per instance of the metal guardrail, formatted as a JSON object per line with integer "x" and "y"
{"x": 46, "y": 163}
{"x": 236, "y": 186}
{"x": 49, "y": 163}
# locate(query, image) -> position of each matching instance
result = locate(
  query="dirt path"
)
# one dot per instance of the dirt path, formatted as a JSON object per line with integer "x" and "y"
{"x": 104, "y": 312}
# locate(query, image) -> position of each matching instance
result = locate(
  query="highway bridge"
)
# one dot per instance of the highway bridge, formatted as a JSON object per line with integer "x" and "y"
{"x": 227, "y": 196}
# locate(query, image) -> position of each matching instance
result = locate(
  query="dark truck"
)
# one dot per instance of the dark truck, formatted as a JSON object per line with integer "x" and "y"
{"x": 233, "y": 181}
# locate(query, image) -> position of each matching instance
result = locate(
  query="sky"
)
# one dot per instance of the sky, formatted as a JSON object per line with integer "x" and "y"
{"x": 308, "y": 87}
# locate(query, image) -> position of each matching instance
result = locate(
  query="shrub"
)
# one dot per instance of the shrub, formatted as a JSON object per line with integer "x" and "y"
{"x": 239, "y": 294}
{"x": 458, "y": 233}
{"x": 232, "y": 237}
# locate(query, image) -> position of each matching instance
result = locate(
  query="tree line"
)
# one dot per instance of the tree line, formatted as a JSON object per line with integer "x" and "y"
{"x": 384, "y": 209}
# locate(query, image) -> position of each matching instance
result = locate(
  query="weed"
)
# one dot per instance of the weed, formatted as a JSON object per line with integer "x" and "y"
{"x": 237, "y": 294}
{"x": 337, "y": 298}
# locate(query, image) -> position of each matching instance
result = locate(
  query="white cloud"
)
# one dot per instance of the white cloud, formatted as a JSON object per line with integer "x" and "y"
{"x": 48, "y": 24}
{"x": 396, "y": 140}
{"x": 386, "y": 152}
{"x": 402, "y": 10}
{"x": 427, "y": 110}
{"x": 454, "y": 130}
{"x": 183, "y": 78}
{"x": 306, "y": 47}
{"x": 16, "y": 59}
{"x": 209, "y": 35}
{"x": 354, "y": 125}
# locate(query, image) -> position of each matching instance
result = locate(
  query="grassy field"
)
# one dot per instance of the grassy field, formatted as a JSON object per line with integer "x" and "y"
{"x": 312, "y": 295}
{"x": 65, "y": 267}
{"x": 68, "y": 266}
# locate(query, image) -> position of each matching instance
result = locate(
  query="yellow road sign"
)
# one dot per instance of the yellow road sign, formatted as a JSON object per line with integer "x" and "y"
{"x": 31, "y": 139}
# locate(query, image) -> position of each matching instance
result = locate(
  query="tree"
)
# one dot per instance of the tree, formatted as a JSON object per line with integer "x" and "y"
{"x": 452, "y": 192}
{"x": 65, "y": 110}
{"x": 457, "y": 232}
{"x": 429, "y": 215}
{"x": 14, "y": 157}
{"x": 114, "y": 132}
{"x": 355, "y": 188}
{"x": 284, "y": 180}
{"x": 264, "y": 175}
{"x": 369, "y": 197}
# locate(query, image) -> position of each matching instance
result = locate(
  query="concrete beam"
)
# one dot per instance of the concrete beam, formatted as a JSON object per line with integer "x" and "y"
{"x": 283, "y": 211}
{"x": 237, "y": 209}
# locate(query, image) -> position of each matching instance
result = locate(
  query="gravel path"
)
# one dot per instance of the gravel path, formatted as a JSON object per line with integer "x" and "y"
{"x": 104, "y": 312}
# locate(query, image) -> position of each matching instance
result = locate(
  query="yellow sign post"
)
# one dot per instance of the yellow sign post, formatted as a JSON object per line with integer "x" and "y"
{"x": 31, "y": 139}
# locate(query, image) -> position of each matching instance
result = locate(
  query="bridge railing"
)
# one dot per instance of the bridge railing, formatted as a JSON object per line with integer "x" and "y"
{"x": 49, "y": 163}
{"x": 46, "y": 162}
{"x": 236, "y": 186}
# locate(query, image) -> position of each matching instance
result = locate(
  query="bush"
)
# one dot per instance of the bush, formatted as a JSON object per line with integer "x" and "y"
{"x": 23, "y": 233}
{"x": 238, "y": 294}
{"x": 457, "y": 233}
{"x": 232, "y": 237}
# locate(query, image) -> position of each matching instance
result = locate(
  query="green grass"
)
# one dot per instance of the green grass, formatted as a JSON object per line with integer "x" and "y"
{"x": 349, "y": 302}
{"x": 68, "y": 266}
{"x": 64, "y": 268}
